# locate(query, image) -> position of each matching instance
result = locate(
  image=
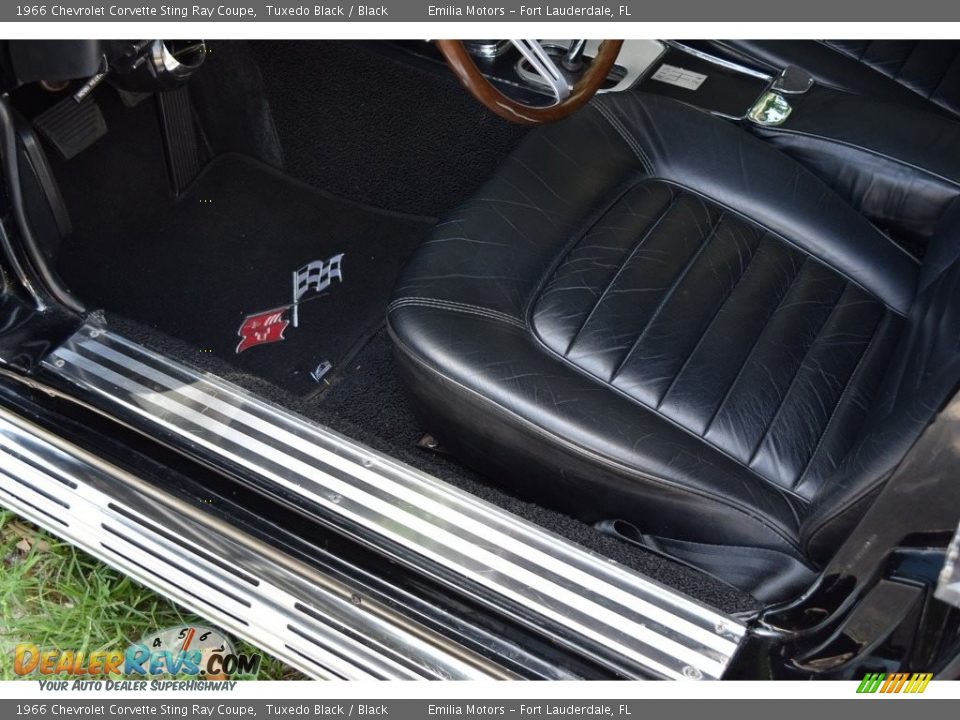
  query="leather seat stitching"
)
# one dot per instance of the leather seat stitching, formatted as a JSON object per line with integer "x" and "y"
{"x": 636, "y": 247}
{"x": 851, "y": 381}
{"x": 796, "y": 375}
{"x": 669, "y": 294}
{"x": 457, "y": 307}
{"x": 782, "y": 533}
{"x": 625, "y": 133}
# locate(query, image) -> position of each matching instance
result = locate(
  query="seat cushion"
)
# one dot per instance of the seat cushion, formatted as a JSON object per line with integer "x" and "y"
{"x": 923, "y": 73}
{"x": 721, "y": 328}
{"x": 648, "y": 314}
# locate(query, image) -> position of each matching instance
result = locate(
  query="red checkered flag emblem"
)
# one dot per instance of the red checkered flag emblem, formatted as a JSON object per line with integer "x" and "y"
{"x": 263, "y": 328}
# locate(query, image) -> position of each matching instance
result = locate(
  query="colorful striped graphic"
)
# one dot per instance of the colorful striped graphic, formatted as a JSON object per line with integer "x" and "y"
{"x": 895, "y": 682}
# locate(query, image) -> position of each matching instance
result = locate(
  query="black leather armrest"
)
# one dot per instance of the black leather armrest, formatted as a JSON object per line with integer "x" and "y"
{"x": 898, "y": 165}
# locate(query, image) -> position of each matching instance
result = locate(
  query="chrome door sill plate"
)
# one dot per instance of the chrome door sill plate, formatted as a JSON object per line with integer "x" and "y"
{"x": 631, "y": 623}
{"x": 308, "y": 619}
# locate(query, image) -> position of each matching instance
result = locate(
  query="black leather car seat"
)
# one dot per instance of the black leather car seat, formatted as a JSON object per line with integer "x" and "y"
{"x": 922, "y": 73}
{"x": 649, "y": 315}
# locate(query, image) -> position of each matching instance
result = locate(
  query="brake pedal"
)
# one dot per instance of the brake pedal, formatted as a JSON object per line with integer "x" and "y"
{"x": 71, "y": 126}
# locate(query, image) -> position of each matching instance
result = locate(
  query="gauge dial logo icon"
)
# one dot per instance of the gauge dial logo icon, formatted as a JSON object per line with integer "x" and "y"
{"x": 214, "y": 647}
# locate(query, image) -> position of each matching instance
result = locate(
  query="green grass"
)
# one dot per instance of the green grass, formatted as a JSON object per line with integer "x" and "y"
{"x": 58, "y": 597}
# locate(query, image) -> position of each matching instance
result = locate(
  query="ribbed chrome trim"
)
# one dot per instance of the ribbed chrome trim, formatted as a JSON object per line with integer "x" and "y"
{"x": 581, "y": 599}
{"x": 313, "y": 622}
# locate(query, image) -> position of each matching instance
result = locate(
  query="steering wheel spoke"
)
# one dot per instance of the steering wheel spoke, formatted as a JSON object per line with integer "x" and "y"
{"x": 542, "y": 64}
{"x": 567, "y": 99}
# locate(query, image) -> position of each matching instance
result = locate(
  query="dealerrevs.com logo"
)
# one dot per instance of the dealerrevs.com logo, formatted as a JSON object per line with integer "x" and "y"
{"x": 911, "y": 683}
{"x": 182, "y": 651}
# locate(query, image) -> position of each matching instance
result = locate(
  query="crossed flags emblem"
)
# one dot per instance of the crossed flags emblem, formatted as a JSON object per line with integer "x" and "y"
{"x": 310, "y": 280}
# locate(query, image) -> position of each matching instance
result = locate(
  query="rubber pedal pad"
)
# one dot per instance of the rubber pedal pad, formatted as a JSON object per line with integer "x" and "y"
{"x": 71, "y": 126}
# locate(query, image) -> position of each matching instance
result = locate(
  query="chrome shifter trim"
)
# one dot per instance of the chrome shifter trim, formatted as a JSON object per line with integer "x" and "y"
{"x": 632, "y": 624}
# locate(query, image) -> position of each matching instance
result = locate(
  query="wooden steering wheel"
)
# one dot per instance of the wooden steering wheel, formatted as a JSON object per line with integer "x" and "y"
{"x": 566, "y": 99}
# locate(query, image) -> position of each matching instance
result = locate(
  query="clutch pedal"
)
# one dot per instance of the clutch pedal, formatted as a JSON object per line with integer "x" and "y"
{"x": 72, "y": 126}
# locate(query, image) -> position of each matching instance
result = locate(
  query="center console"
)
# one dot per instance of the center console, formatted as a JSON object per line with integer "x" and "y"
{"x": 712, "y": 84}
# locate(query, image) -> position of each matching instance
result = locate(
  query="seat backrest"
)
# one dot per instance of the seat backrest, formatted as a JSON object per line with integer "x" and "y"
{"x": 923, "y": 374}
{"x": 930, "y": 68}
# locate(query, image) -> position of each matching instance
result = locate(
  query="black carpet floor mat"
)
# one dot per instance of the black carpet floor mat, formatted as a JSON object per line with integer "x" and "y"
{"x": 364, "y": 125}
{"x": 221, "y": 262}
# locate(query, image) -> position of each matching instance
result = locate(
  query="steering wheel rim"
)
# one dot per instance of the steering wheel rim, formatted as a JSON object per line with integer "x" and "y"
{"x": 466, "y": 70}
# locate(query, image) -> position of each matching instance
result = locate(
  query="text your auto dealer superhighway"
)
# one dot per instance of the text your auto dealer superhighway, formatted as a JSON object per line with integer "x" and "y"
{"x": 148, "y": 11}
